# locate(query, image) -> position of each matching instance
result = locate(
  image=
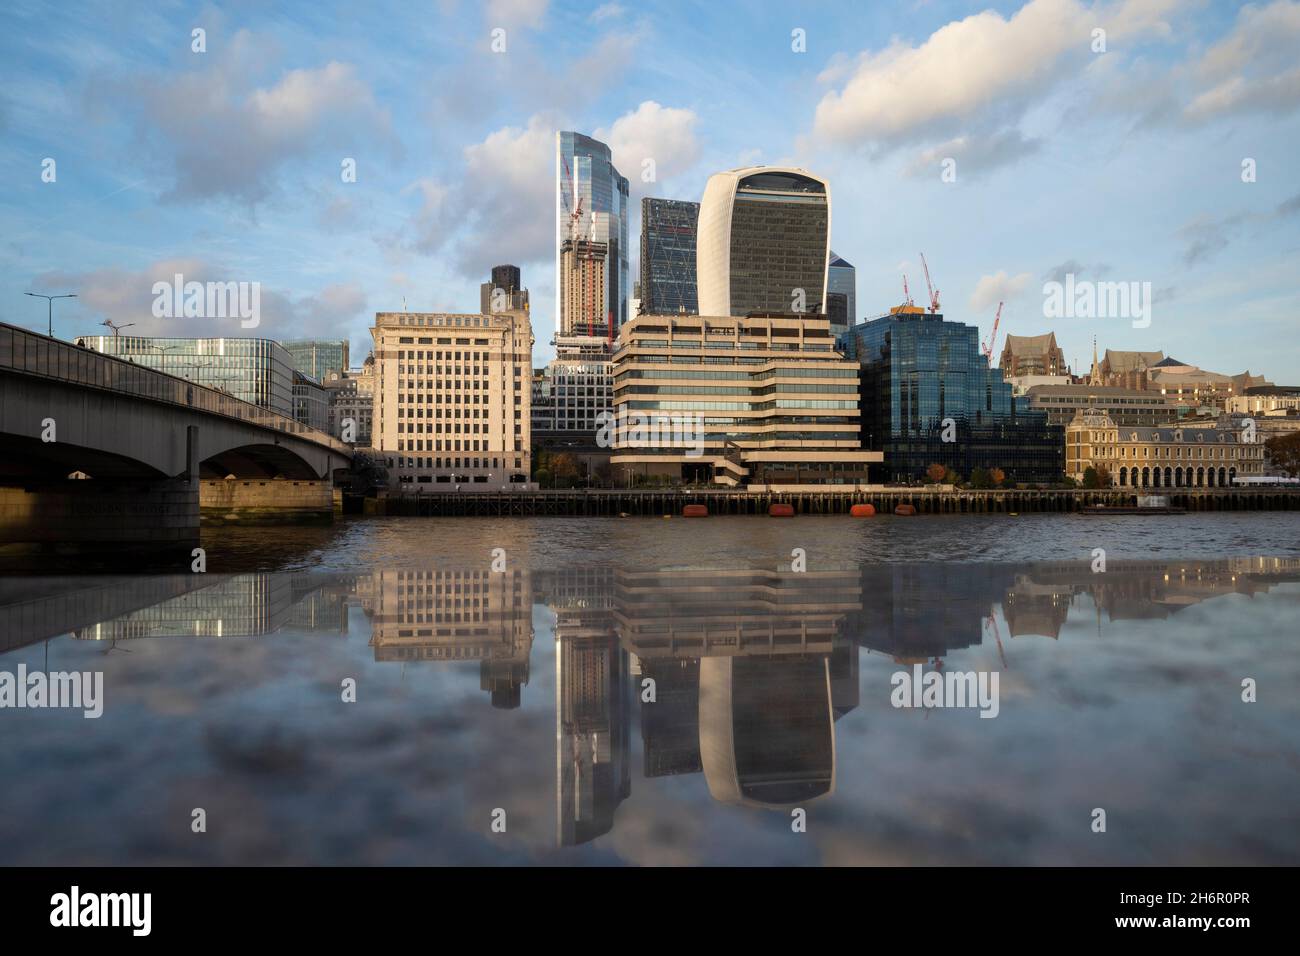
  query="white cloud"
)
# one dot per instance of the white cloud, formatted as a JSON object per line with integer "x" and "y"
{"x": 982, "y": 70}
{"x": 516, "y": 13}
{"x": 976, "y": 153}
{"x": 663, "y": 134}
{"x": 224, "y": 137}
{"x": 1252, "y": 69}
{"x": 990, "y": 290}
{"x": 606, "y": 11}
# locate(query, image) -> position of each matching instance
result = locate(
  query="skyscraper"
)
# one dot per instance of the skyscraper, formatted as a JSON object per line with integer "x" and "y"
{"x": 513, "y": 297}
{"x": 591, "y": 207}
{"x": 841, "y": 280}
{"x": 763, "y": 242}
{"x": 668, "y": 256}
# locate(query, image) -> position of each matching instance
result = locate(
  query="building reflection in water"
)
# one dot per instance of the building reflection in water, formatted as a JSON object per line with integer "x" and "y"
{"x": 750, "y": 669}
{"x": 475, "y": 615}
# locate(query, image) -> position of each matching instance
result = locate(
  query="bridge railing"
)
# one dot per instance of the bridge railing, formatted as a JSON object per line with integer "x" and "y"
{"x": 31, "y": 353}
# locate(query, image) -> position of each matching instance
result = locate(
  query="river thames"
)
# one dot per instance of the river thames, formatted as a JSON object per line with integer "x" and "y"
{"x": 650, "y": 691}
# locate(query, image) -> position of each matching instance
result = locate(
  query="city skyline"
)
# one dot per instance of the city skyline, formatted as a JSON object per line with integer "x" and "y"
{"x": 453, "y": 176}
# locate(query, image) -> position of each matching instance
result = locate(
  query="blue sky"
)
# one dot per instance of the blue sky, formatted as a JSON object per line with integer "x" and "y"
{"x": 225, "y": 165}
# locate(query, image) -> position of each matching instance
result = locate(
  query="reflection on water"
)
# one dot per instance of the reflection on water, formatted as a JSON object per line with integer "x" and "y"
{"x": 742, "y": 688}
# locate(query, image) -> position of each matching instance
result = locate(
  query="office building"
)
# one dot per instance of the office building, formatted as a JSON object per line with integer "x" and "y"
{"x": 310, "y": 402}
{"x": 317, "y": 358}
{"x": 1032, "y": 355}
{"x": 259, "y": 371}
{"x": 1136, "y": 456}
{"x": 667, "y": 285}
{"x": 1266, "y": 400}
{"x": 764, "y": 242}
{"x": 1127, "y": 406}
{"x": 763, "y": 401}
{"x": 452, "y": 400}
{"x": 511, "y": 297}
{"x": 352, "y": 400}
{"x": 592, "y": 212}
{"x": 929, "y": 397}
{"x": 841, "y": 294}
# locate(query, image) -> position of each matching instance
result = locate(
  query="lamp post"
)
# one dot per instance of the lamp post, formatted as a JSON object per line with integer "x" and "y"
{"x": 49, "y": 300}
{"x": 117, "y": 329}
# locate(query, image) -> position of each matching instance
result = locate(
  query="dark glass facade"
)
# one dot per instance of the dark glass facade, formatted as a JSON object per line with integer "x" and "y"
{"x": 779, "y": 227}
{"x": 917, "y": 371}
{"x": 668, "y": 229}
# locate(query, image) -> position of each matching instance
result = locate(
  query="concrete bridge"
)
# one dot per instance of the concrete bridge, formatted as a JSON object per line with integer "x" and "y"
{"x": 96, "y": 450}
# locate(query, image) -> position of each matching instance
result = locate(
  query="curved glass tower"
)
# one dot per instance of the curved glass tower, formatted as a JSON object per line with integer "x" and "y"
{"x": 763, "y": 242}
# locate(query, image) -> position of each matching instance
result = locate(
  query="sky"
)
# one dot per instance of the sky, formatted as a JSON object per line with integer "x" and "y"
{"x": 1011, "y": 143}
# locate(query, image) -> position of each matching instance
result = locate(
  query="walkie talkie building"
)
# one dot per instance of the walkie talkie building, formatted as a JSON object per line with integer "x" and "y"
{"x": 763, "y": 242}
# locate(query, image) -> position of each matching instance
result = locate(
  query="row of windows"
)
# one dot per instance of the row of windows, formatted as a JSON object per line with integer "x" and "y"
{"x": 735, "y": 389}
{"x": 741, "y": 406}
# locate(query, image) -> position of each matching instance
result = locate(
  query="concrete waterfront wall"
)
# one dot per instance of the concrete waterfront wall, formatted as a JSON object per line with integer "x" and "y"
{"x": 158, "y": 515}
{"x": 233, "y": 500}
{"x": 655, "y": 503}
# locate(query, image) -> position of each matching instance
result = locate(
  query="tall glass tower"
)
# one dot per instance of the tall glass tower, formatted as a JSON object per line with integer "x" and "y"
{"x": 591, "y": 206}
{"x": 668, "y": 256}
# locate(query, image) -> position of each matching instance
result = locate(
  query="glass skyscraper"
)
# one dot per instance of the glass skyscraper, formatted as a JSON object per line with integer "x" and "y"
{"x": 668, "y": 256}
{"x": 259, "y": 371}
{"x": 842, "y": 280}
{"x": 918, "y": 371}
{"x": 318, "y": 358}
{"x": 591, "y": 205}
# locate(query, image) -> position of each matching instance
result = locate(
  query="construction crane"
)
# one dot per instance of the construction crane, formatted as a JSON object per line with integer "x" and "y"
{"x": 934, "y": 293}
{"x": 574, "y": 207}
{"x": 907, "y": 296}
{"x": 987, "y": 347}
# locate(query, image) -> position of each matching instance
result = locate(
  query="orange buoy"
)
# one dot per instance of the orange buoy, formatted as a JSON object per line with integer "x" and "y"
{"x": 695, "y": 511}
{"x": 781, "y": 511}
{"x": 905, "y": 510}
{"x": 863, "y": 511}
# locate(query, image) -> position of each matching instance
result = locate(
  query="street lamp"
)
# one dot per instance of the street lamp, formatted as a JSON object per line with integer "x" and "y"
{"x": 49, "y": 299}
{"x": 117, "y": 329}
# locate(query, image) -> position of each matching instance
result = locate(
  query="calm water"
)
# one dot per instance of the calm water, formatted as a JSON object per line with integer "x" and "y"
{"x": 520, "y": 694}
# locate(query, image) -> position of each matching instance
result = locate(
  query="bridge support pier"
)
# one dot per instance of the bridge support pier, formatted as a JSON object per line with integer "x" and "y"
{"x": 144, "y": 517}
{"x": 265, "y": 500}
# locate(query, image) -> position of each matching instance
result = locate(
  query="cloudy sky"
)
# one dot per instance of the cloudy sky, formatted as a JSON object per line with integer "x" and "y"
{"x": 226, "y": 164}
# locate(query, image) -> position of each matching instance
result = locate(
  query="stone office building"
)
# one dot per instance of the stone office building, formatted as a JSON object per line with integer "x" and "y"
{"x": 1138, "y": 456}
{"x": 452, "y": 400}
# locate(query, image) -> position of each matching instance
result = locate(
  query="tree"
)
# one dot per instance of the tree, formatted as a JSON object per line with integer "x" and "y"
{"x": 951, "y": 477}
{"x": 1284, "y": 453}
{"x": 997, "y": 476}
{"x": 1103, "y": 477}
{"x": 936, "y": 472}
{"x": 565, "y": 468}
{"x": 979, "y": 478}
{"x": 1090, "y": 479}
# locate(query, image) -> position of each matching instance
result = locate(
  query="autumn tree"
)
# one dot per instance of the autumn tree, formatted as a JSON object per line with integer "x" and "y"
{"x": 936, "y": 472}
